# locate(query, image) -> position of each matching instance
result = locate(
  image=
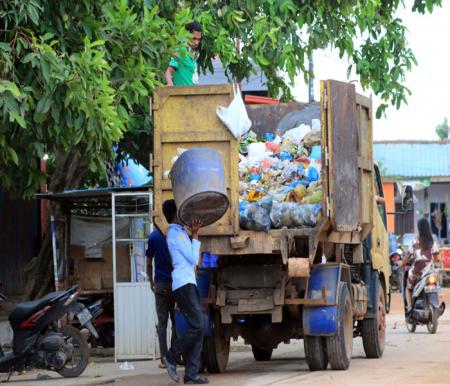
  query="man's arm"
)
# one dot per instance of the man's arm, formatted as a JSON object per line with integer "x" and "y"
{"x": 150, "y": 253}
{"x": 150, "y": 273}
{"x": 169, "y": 75}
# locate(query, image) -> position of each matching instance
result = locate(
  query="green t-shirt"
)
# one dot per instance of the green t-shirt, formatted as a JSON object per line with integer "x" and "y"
{"x": 185, "y": 73}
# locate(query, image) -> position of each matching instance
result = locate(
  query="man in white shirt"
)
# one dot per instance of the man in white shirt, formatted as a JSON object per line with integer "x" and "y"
{"x": 185, "y": 254}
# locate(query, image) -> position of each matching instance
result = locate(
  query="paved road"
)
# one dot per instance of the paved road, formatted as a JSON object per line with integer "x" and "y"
{"x": 409, "y": 359}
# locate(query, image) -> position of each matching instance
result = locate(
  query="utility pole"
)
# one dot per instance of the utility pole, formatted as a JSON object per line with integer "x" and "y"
{"x": 310, "y": 78}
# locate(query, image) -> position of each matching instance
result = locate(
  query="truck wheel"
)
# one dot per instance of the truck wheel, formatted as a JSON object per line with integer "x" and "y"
{"x": 340, "y": 346}
{"x": 315, "y": 352}
{"x": 261, "y": 354}
{"x": 374, "y": 330}
{"x": 216, "y": 350}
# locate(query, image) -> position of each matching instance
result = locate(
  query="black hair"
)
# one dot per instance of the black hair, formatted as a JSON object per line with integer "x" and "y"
{"x": 425, "y": 237}
{"x": 169, "y": 209}
{"x": 194, "y": 26}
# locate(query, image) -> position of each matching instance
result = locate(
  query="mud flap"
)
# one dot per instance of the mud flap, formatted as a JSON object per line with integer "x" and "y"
{"x": 323, "y": 283}
{"x": 433, "y": 299}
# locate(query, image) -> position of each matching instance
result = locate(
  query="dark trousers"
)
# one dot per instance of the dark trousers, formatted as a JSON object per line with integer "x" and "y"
{"x": 191, "y": 342}
{"x": 165, "y": 307}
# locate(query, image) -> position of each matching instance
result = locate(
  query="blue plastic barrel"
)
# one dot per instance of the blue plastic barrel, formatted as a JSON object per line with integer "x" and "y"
{"x": 203, "y": 282}
{"x": 199, "y": 186}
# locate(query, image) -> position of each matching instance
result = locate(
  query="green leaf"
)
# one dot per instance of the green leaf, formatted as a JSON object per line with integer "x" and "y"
{"x": 5, "y": 47}
{"x": 28, "y": 57}
{"x": 47, "y": 36}
{"x": 13, "y": 155}
{"x": 45, "y": 70}
{"x": 14, "y": 116}
{"x": 6, "y": 85}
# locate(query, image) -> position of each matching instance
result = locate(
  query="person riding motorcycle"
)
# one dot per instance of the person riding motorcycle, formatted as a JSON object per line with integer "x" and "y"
{"x": 422, "y": 252}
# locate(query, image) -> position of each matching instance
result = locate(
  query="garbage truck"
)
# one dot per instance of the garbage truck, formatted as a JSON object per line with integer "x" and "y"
{"x": 326, "y": 284}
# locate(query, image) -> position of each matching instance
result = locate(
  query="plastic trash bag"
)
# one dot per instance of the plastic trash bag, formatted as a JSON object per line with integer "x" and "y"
{"x": 313, "y": 198}
{"x": 280, "y": 215}
{"x": 312, "y": 175}
{"x": 316, "y": 152}
{"x": 235, "y": 116}
{"x": 257, "y": 151}
{"x": 306, "y": 214}
{"x": 312, "y": 138}
{"x": 297, "y": 133}
{"x": 256, "y": 216}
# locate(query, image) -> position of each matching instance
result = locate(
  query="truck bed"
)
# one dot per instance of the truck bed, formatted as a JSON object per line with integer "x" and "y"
{"x": 185, "y": 117}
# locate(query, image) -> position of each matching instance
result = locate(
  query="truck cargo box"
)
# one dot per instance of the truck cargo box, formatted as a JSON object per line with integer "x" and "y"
{"x": 185, "y": 117}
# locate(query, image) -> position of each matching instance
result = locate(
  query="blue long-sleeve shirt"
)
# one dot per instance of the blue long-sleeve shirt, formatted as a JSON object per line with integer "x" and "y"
{"x": 185, "y": 254}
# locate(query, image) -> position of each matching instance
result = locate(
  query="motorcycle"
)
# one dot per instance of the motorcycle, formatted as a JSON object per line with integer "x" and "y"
{"x": 426, "y": 307}
{"x": 396, "y": 278}
{"x": 102, "y": 319}
{"x": 40, "y": 342}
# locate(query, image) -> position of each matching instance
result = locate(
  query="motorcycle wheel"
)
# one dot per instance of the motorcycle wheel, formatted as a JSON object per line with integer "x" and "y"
{"x": 80, "y": 358}
{"x": 433, "y": 323}
{"x": 411, "y": 327}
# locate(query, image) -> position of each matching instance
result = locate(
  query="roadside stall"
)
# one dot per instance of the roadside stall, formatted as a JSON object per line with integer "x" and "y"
{"x": 99, "y": 245}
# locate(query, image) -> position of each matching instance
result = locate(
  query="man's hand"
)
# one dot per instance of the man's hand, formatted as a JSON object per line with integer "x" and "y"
{"x": 194, "y": 228}
{"x": 169, "y": 76}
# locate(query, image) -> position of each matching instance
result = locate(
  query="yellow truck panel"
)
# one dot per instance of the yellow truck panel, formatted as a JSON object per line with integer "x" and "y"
{"x": 184, "y": 118}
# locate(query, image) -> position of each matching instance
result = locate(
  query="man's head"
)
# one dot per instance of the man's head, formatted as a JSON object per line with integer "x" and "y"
{"x": 195, "y": 28}
{"x": 169, "y": 209}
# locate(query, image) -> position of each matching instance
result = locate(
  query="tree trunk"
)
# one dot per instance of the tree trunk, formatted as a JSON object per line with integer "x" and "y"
{"x": 39, "y": 272}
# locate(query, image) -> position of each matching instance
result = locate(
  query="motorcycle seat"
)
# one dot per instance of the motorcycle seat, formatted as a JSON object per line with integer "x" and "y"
{"x": 24, "y": 310}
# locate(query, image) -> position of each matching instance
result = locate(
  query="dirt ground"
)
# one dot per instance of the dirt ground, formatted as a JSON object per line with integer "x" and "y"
{"x": 409, "y": 359}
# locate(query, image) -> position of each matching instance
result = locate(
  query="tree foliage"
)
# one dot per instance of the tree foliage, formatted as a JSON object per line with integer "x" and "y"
{"x": 443, "y": 129}
{"x": 76, "y": 76}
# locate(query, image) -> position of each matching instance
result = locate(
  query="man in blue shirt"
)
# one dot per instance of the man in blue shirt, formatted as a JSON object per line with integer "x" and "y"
{"x": 162, "y": 285}
{"x": 185, "y": 253}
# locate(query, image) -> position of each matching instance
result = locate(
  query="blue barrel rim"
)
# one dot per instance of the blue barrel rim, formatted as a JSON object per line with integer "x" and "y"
{"x": 227, "y": 201}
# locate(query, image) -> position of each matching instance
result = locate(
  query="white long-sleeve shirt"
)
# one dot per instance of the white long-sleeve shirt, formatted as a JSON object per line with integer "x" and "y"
{"x": 185, "y": 254}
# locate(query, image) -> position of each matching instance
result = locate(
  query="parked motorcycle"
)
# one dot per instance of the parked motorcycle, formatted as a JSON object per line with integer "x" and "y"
{"x": 100, "y": 306}
{"x": 426, "y": 306}
{"x": 396, "y": 278}
{"x": 39, "y": 341}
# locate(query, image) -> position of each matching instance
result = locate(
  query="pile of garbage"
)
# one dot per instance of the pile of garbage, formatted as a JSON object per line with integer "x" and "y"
{"x": 280, "y": 179}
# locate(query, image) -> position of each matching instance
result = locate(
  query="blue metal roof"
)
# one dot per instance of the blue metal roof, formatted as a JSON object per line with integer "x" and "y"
{"x": 413, "y": 158}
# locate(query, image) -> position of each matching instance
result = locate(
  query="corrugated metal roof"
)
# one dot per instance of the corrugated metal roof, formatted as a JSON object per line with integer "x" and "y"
{"x": 256, "y": 82}
{"x": 413, "y": 158}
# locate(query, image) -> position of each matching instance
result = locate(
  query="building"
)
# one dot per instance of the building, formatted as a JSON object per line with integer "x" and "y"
{"x": 425, "y": 165}
{"x": 255, "y": 84}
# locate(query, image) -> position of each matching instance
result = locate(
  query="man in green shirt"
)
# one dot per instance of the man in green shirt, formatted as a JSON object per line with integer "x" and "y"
{"x": 182, "y": 70}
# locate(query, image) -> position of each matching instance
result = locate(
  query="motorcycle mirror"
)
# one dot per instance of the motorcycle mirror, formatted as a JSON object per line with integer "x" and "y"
{"x": 399, "y": 251}
{"x": 407, "y": 198}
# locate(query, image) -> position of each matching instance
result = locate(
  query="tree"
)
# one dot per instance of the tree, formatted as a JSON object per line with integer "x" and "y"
{"x": 442, "y": 130}
{"x": 76, "y": 76}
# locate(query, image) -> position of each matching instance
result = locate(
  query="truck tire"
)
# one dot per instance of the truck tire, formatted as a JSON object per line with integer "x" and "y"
{"x": 261, "y": 354}
{"x": 374, "y": 329}
{"x": 216, "y": 350}
{"x": 315, "y": 352}
{"x": 340, "y": 346}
